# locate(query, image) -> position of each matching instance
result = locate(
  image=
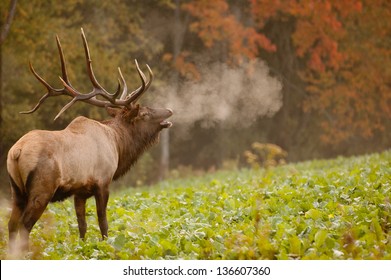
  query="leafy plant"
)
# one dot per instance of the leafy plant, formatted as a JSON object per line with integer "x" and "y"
{"x": 325, "y": 209}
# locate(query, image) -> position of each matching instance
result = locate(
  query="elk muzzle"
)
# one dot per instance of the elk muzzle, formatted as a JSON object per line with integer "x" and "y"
{"x": 163, "y": 116}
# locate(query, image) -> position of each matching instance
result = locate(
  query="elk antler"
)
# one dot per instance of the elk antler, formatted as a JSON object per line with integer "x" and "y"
{"x": 111, "y": 100}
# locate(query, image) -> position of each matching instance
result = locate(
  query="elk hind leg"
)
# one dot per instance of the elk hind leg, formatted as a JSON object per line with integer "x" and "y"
{"x": 36, "y": 205}
{"x": 14, "y": 222}
{"x": 18, "y": 206}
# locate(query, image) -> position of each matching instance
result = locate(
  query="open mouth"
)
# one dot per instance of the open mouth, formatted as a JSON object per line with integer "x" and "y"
{"x": 166, "y": 123}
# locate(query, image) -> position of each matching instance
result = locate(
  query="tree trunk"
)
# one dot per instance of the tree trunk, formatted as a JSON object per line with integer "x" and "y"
{"x": 179, "y": 29}
{"x": 1, "y": 94}
{"x": 4, "y": 30}
{"x": 6, "y": 25}
{"x": 165, "y": 153}
{"x": 2, "y": 152}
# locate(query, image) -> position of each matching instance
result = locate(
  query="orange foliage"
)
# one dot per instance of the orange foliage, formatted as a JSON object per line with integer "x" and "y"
{"x": 357, "y": 100}
{"x": 214, "y": 23}
{"x": 318, "y": 27}
{"x": 186, "y": 68}
{"x": 343, "y": 44}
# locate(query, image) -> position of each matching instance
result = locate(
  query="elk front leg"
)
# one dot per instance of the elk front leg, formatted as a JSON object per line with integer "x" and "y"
{"x": 101, "y": 198}
{"x": 80, "y": 207}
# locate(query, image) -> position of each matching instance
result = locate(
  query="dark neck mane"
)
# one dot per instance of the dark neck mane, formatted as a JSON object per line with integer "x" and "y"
{"x": 132, "y": 141}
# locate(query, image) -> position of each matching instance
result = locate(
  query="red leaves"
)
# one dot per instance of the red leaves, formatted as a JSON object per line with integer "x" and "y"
{"x": 318, "y": 27}
{"x": 343, "y": 47}
{"x": 215, "y": 24}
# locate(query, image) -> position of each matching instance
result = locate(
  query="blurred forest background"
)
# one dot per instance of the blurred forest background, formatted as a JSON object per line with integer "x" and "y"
{"x": 312, "y": 77}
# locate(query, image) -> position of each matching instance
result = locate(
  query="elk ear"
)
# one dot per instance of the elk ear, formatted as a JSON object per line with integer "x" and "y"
{"x": 112, "y": 111}
{"x": 129, "y": 114}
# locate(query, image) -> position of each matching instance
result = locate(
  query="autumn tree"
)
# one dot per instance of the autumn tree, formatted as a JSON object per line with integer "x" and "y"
{"x": 343, "y": 46}
{"x": 356, "y": 95}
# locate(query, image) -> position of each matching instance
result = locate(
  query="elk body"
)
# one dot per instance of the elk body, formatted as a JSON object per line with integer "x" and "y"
{"x": 81, "y": 160}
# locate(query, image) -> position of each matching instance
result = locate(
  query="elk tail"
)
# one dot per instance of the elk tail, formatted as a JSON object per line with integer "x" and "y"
{"x": 14, "y": 154}
{"x": 18, "y": 185}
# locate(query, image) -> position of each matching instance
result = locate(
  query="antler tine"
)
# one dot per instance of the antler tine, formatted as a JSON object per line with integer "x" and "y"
{"x": 41, "y": 100}
{"x": 39, "y": 78}
{"x": 99, "y": 89}
{"x": 89, "y": 61}
{"x": 125, "y": 89}
{"x": 62, "y": 61}
{"x": 150, "y": 73}
{"x": 136, "y": 94}
{"x": 51, "y": 91}
{"x": 148, "y": 84}
{"x": 69, "y": 104}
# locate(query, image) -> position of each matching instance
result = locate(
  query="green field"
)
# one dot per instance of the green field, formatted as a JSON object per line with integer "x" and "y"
{"x": 326, "y": 209}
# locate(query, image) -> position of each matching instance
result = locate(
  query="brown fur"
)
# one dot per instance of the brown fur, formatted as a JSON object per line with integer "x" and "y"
{"x": 81, "y": 160}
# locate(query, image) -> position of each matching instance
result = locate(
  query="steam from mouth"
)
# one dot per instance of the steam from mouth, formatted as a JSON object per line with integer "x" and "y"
{"x": 237, "y": 96}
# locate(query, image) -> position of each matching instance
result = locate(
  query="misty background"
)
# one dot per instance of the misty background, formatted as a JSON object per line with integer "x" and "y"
{"x": 234, "y": 72}
{"x": 233, "y": 96}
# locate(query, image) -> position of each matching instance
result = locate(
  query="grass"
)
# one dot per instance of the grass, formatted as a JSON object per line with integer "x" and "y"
{"x": 324, "y": 209}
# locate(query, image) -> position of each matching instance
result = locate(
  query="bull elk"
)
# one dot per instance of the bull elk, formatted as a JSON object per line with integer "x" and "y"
{"x": 81, "y": 160}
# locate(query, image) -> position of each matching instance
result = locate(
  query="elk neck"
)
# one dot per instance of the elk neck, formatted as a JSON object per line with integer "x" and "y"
{"x": 131, "y": 141}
